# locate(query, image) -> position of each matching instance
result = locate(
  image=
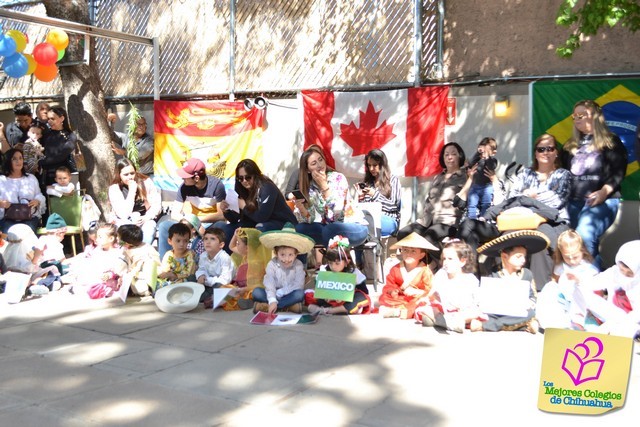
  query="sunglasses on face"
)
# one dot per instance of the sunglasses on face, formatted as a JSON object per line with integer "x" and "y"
{"x": 577, "y": 117}
{"x": 242, "y": 178}
{"x": 549, "y": 149}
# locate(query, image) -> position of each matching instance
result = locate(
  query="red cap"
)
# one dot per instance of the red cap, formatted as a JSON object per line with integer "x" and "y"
{"x": 191, "y": 168}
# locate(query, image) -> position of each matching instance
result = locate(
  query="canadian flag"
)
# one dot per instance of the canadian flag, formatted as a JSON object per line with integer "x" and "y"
{"x": 407, "y": 124}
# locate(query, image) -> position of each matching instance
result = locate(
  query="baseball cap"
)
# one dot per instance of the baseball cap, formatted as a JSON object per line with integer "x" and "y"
{"x": 191, "y": 168}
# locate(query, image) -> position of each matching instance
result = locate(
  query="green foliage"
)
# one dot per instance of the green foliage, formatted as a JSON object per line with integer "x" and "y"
{"x": 591, "y": 15}
{"x": 132, "y": 121}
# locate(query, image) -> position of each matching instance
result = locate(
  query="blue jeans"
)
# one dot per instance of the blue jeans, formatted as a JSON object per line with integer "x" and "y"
{"x": 592, "y": 221}
{"x": 322, "y": 233}
{"x": 33, "y": 223}
{"x": 260, "y": 295}
{"x": 479, "y": 200}
{"x": 388, "y": 225}
{"x": 230, "y": 228}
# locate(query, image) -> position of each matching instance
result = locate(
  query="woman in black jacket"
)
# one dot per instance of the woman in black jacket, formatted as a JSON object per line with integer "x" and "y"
{"x": 58, "y": 145}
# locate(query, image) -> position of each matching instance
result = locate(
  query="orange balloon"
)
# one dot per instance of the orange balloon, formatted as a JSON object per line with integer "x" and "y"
{"x": 32, "y": 63}
{"x": 46, "y": 73}
{"x": 58, "y": 38}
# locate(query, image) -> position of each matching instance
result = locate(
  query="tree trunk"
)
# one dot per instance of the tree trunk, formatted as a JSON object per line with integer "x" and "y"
{"x": 84, "y": 99}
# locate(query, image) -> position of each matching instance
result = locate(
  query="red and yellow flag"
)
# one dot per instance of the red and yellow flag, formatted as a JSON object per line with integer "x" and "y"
{"x": 220, "y": 133}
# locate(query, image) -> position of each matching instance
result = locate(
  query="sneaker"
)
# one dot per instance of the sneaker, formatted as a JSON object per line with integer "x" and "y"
{"x": 389, "y": 311}
{"x": 428, "y": 321}
{"x": 316, "y": 310}
{"x": 38, "y": 290}
{"x": 260, "y": 306}
{"x": 245, "y": 303}
{"x": 294, "y": 308}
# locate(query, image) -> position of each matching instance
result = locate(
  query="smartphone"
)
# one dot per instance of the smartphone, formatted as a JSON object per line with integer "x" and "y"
{"x": 298, "y": 195}
{"x": 362, "y": 185}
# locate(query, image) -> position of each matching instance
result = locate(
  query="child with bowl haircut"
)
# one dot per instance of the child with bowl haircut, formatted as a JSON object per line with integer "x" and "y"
{"x": 410, "y": 280}
{"x": 285, "y": 274}
{"x": 512, "y": 248}
{"x": 179, "y": 262}
{"x": 215, "y": 267}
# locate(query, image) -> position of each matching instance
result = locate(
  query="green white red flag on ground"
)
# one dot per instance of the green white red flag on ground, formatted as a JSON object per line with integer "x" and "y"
{"x": 407, "y": 124}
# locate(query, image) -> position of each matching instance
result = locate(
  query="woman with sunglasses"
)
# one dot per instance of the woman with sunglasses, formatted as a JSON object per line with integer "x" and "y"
{"x": 547, "y": 182}
{"x": 262, "y": 205}
{"x": 597, "y": 160}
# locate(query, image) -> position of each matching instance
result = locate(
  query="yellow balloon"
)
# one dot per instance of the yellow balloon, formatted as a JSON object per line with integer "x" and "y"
{"x": 58, "y": 38}
{"x": 32, "y": 63}
{"x": 19, "y": 38}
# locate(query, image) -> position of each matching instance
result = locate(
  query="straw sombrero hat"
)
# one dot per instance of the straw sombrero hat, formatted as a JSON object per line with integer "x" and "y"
{"x": 533, "y": 240}
{"x": 414, "y": 240}
{"x": 287, "y": 237}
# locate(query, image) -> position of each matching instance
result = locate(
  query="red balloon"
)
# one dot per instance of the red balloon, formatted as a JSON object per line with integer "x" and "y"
{"x": 46, "y": 73}
{"x": 45, "y": 54}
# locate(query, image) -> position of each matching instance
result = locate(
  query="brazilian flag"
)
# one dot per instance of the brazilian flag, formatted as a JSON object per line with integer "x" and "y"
{"x": 620, "y": 101}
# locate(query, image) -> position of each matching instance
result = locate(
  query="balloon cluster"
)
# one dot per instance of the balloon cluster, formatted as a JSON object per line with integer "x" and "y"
{"x": 41, "y": 62}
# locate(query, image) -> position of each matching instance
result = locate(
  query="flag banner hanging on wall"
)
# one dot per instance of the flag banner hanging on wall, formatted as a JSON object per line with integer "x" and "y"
{"x": 620, "y": 101}
{"x": 407, "y": 124}
{"x": 220, "y": 133}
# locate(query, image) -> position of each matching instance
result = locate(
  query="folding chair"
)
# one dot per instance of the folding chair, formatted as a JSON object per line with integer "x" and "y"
{"x": 70, "y": 209}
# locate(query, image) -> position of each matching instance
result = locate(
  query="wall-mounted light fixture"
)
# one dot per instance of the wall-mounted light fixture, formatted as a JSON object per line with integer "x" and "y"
{"x": 501, "y": 106}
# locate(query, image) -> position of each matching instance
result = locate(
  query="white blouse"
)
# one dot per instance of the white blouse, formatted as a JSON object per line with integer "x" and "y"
{"x": 22, "y": 190}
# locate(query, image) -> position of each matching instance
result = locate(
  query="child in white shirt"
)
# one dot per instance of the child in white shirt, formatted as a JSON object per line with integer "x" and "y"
{"x": 215, "y": 267}
{"x": 63, "y": 185}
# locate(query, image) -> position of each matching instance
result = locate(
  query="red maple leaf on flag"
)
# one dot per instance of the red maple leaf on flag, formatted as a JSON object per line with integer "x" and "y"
{"x": 367, "y": 137}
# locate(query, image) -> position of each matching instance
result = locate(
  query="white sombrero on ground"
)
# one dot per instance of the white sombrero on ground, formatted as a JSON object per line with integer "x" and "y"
{"x": 533, "y": 240}
{"x": 179, "y": 297}
{"x": 287, "y": 237}
{"x": 414, "y": 240}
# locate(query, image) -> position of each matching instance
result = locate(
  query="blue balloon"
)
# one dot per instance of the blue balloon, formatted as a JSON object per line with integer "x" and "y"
{"x": 7, "y": 45}
{"x": 15, "y": 65}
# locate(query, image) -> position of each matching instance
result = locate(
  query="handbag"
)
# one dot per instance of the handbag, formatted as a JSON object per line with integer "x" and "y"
{"x": 78, "y": 159}
{"x": 18, "y": 212}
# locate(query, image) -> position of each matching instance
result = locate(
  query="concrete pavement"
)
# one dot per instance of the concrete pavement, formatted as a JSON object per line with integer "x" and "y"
{"x": 69, "y": 361}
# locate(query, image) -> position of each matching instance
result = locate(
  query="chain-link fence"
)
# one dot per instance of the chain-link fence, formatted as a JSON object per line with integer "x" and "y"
{"x": 215, "y": 47}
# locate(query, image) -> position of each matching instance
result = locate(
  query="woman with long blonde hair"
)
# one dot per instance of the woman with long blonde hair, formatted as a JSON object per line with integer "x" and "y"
{"x": 597, "y": 160}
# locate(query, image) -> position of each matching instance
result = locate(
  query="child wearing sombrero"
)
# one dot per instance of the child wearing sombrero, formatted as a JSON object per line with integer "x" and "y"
{"x": 408, "y": 282}
{"x": 285, "y": 274}
{"x": 512, "y": 249}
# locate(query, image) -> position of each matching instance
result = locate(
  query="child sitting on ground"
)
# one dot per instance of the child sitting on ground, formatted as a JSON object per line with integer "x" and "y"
{"x": 619, "y": 313}
{"x": 410, "y": 280}
{"x": 63, "y": 185}
{"x": 573, "y": 265}
{"x": 139, "y": 261}
{"x": 285, "y": 274}
{"x": 338, "y": 260}
{"x": 179, "y": 262}
{"x": 32, "y": 150}
{"x": 101, "y": 266}
{"x": 51, "y": 244}
{"x": 512, "y": 248}
{"x": 215, "y": 267}
{"x": 452, "y": 303}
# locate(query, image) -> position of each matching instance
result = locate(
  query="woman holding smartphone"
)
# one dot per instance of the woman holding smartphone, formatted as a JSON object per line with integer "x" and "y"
{"x": 597, "y": 161}
{"x": 380, "y": 186}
